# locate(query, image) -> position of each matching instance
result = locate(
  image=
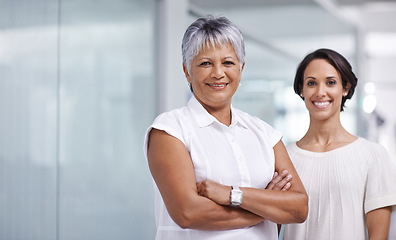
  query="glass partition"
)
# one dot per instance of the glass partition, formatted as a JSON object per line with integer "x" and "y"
{"x": 77, "y": 93}
{"x": 28, "y": 120}
{"x": 106, "y": 101}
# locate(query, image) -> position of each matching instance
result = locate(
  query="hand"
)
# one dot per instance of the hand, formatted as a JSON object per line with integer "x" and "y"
{"x": 214, "y": 191}
{"x": 280, "y": 181}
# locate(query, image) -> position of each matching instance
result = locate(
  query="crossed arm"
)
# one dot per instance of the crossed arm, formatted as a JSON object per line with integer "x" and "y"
{"x": 192, "y": 205}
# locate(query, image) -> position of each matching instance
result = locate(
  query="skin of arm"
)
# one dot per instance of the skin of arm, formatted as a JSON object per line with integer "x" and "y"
{"x": 378, "y": 222}
{"x": 281, "y": 207}
{"x": 172, "y": 169}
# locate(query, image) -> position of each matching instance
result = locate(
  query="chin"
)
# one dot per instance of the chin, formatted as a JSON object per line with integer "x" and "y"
{"x": 323, "y": 115}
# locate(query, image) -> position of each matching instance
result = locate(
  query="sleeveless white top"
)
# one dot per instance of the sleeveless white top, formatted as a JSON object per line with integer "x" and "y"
{"x": 240, "y": 154}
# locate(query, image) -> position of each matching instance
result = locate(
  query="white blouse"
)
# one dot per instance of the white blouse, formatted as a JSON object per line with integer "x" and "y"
{"x": 342, "y": 185}
{"x": 241, "y": 154}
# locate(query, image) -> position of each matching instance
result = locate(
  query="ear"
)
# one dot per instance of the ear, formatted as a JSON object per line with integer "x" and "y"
{"x": 185, "y": 70}
{"x": 346, "y": 89}
{"x": 301, "y": 91}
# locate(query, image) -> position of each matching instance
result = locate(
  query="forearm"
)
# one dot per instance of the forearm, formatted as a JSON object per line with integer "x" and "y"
{"x": 277, "y": 206}
{"x": 204, "y": 214}
{"x": 378, "y": 222}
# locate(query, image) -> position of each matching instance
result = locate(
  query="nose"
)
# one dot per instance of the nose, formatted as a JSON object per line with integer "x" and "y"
{"x": 321, "y": 90}
{"x": 217, "y": 71}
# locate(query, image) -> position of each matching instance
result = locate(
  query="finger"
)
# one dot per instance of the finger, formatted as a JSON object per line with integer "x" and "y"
{"x": 276, "y": 183}
{"x": 281, "y": 183}
{"x": 273, "y": 183}
{"x": 281, "y": 176}
{"x": 286, "y": 187}
{"x": 200, "y": 188}
{"x": 284, "y": 183}
{"x": 275, "y": 175}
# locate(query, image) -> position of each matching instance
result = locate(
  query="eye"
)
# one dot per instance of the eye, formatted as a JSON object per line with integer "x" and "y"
{"x": 228, "y": 63}
{"x": 331, "y": 82}
{"x": 204, "y": 64}
{"x": 311, "y": 83}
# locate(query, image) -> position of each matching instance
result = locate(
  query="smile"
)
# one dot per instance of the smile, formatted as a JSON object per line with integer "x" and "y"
{"x": 217, "y": 85}
{"x": 322, "y": 104}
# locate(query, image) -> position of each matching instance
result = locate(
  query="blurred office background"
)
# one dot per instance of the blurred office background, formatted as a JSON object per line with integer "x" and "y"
{"x": 81, "y": 80}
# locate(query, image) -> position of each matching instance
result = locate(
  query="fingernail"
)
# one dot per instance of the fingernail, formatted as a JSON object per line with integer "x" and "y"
{"x": 285, "y": 171}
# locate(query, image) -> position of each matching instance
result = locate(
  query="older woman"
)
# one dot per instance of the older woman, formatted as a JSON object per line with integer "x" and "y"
{"x": 350, "y": 181}
{"x": 211, "y": 162}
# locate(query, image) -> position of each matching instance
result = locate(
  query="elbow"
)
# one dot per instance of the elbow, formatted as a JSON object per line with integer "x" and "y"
{"x": 184, "y": 219}
{"x": 183, "y": 222}
{"x": 299, "y": 212}
{"x": 302, "y": 214}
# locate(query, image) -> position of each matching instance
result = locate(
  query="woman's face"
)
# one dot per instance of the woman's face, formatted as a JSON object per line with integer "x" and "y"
{"x": 214, "y": 75}
{"x": 322, "y": 90}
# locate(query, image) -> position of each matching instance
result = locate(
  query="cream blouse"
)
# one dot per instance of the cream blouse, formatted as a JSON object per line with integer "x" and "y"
{"x": 342, "y": 185}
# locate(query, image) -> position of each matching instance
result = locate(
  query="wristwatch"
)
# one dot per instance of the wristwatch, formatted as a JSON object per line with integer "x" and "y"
{"x": 236, "y": 196}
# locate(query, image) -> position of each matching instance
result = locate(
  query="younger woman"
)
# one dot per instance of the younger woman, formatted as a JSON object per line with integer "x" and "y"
{"x": 350, "y": 181}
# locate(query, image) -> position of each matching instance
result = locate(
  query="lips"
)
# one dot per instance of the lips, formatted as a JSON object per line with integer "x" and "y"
{"x": 321, "y": 104}
{"x": 217, "y": 84}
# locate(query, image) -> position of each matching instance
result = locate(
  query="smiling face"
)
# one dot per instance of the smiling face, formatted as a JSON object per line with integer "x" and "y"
{"x": 214, "y": 76}
{"x": 322, "y": 90}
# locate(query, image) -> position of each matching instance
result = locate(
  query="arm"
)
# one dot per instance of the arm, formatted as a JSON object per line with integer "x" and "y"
{"x": 378, "y": 222}
{"x": 221, "y": 193}
{"x": 279, "y": 182}
{"x": 172, "y": 169}
{"x": 277, "y": 206}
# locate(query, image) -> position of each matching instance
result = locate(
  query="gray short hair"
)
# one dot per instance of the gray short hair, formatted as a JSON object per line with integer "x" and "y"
{"x": 208, "y": 31}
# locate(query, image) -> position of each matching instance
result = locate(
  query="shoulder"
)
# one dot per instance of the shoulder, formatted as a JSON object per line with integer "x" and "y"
{"x": 374, "y": 153}
{"x": 253, "y": 120}
{"x": 371, "y": 147}
{"x": 170, "y": 122}
{"x": 259, "y": 127}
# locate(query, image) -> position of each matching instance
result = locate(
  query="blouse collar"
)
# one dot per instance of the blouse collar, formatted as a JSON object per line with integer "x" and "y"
{"x": 204, "y": 118}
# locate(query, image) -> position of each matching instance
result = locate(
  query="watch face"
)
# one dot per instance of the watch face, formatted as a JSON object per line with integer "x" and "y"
{"x": 236, "y": 197}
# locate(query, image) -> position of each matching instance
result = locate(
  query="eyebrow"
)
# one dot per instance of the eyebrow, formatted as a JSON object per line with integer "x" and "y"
{"x": 203, "y": 58}
{"x": 209, "y": 58}
{"x": 329, "y": 77}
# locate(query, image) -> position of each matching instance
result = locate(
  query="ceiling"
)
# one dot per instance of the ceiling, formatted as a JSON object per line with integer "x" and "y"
{"x": 359, "y": 2}
{"x": 370, "y": 15}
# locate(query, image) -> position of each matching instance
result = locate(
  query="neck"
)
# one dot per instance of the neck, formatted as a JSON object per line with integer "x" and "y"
{"x": 327, "y": 131}
{"x": 221, "y": 113}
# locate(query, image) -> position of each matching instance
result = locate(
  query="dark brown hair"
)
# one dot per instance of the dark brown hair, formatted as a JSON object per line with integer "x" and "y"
{"x": 338, "y": 62}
